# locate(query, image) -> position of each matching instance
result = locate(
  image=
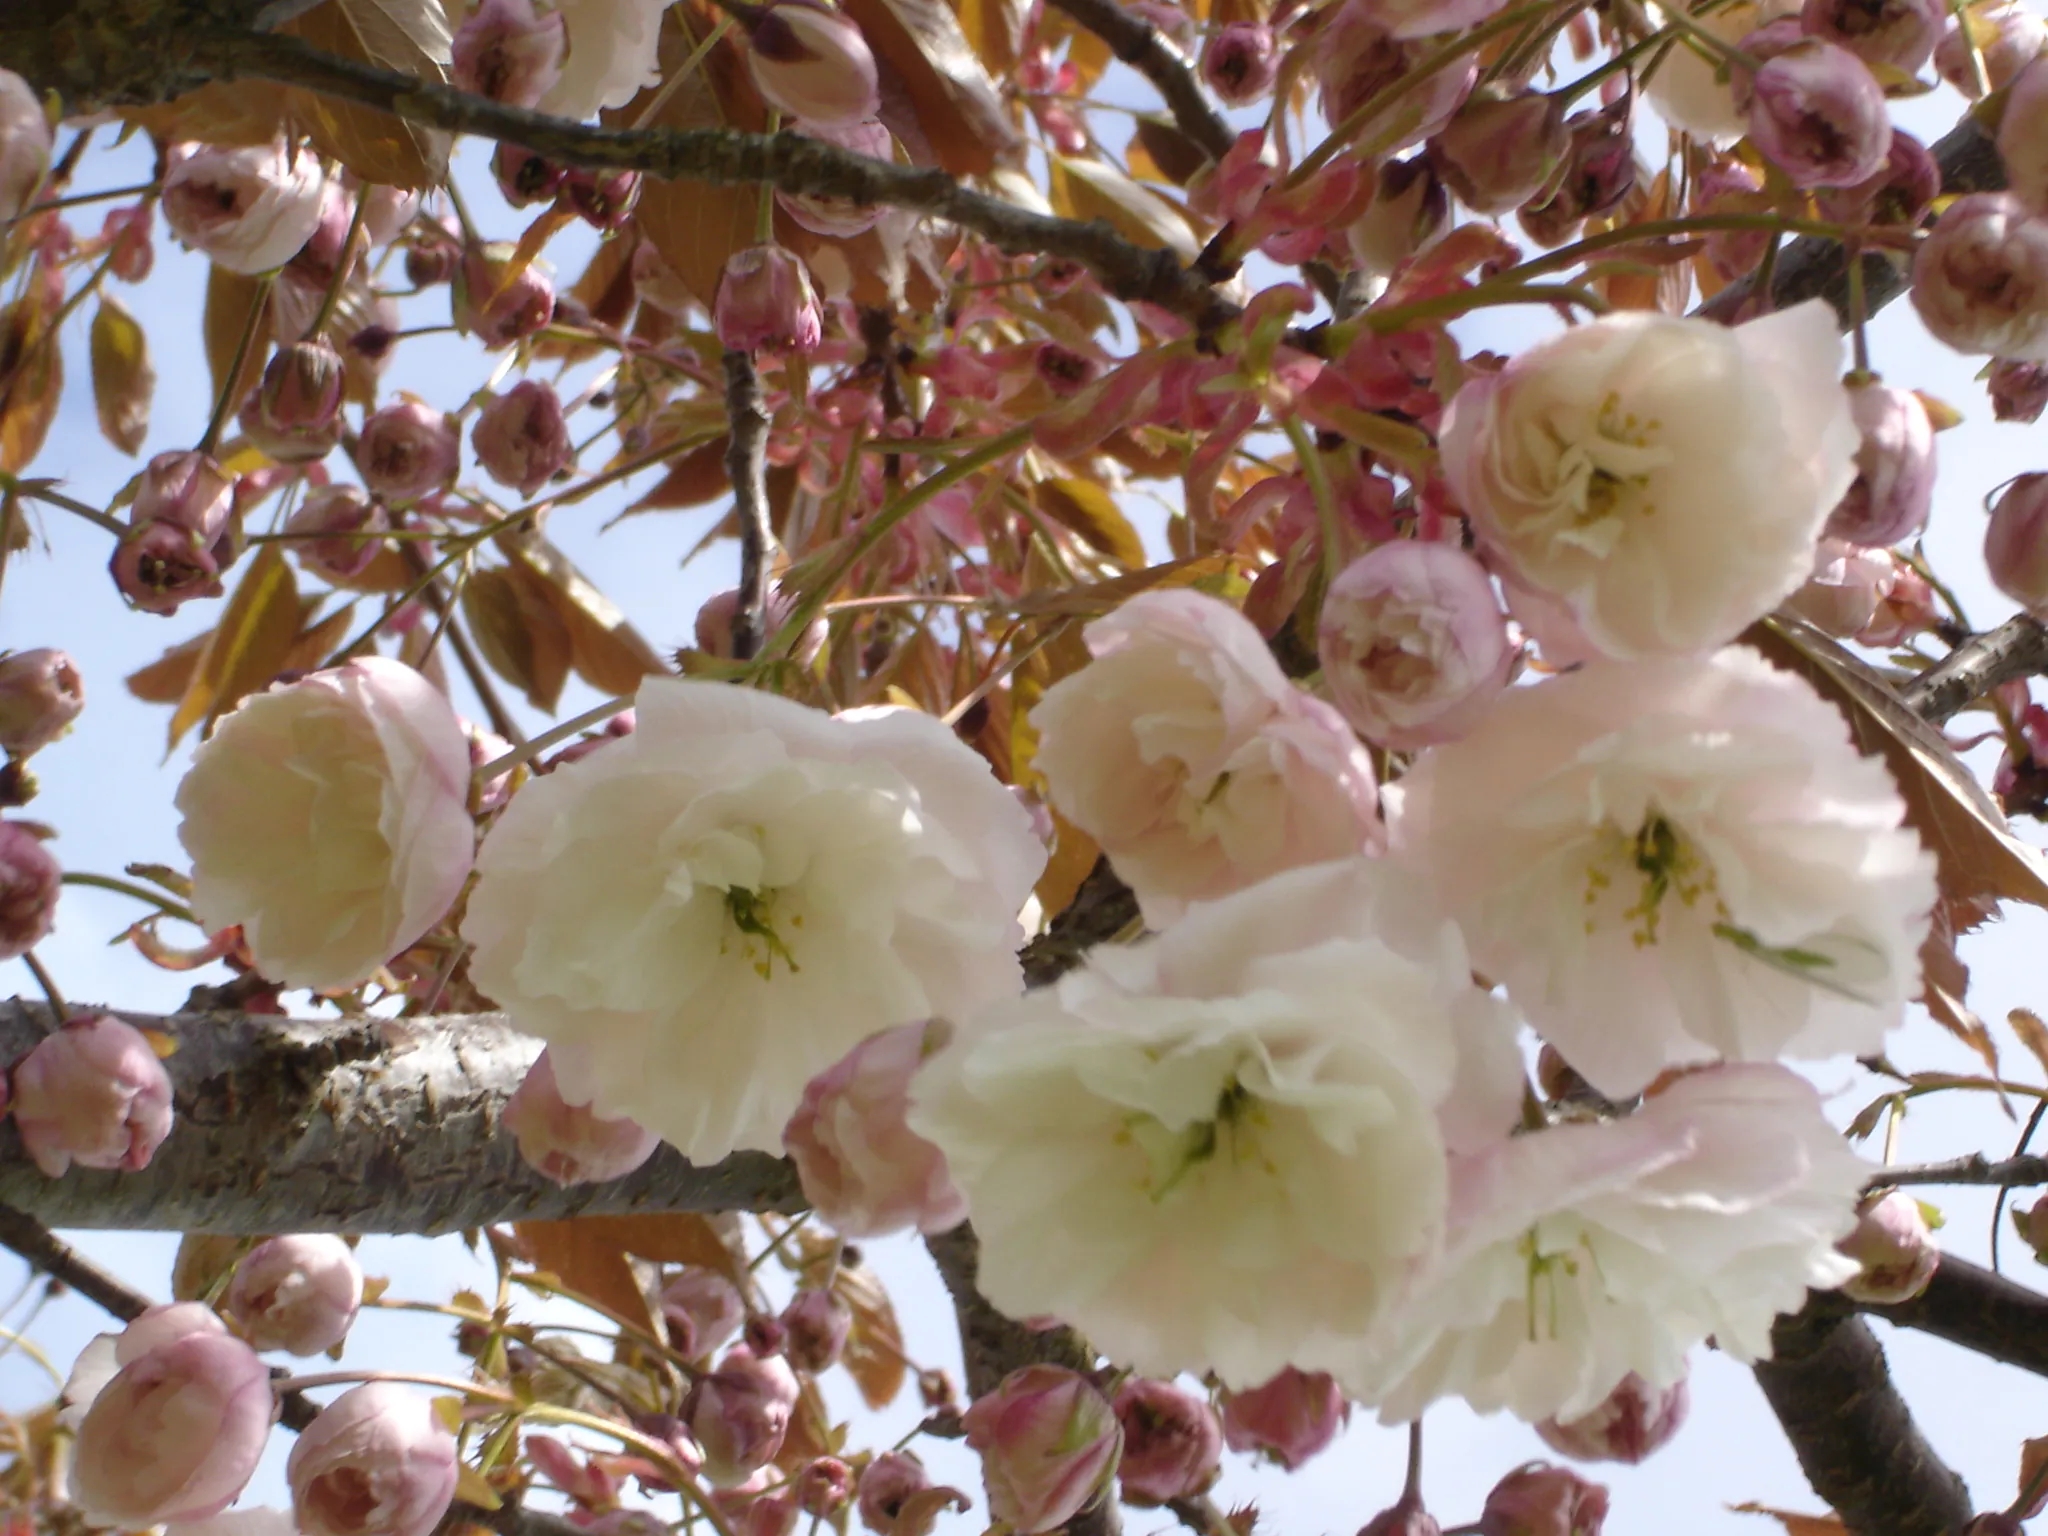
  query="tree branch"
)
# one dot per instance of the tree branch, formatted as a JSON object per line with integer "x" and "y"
{"x": 1859, "y": 1448}
{"x": 1152, "y": 54}
{"x": 2011, "y": 1173}
{"x": 45, "y": 1251}
{"x": 746, "y": 466}
{"x": 1973, "y": 1307}
{"x": 356, "y": 1125}
{"x": 2017, "y": 648}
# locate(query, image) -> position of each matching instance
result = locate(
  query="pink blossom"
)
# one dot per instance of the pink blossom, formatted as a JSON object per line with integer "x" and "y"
{"x": 521, "y": 437}
{"x": 1820, "y": 116}
{"x": 294, "y": 414}
{"x": 1893, "y": 492}
{"x": 176, "y": 1433}
{"x": 1896, "y": 34}
{"x": 702, "y": 1309}
{"x": 340, "y": 532}
{"x": 249, "y": 210}
{"x": 1355, "y": 59}
{"x": 1173, "y": 1442}
{"x": 863, "y": 1169}
{"x": 497, "y": 305}
{"x": 407, "y": 450}
{"x": 1240, "y": 62}
{"x": 297, "y": 1293}
{"x": 765, "y": 299}
{"x": 815, "y": 1326}
{"x": 24, "y": 144}
{"x": 1413, "y": 643}
{"x": 376, "y": 1462}
{"x": 1895, "y": 1247}
{"x": 1542, "y": 1500}
{"x": 93, "y": 1093}
{"x": 2023, "y": 136}
{"x": 1049, "y": 1442}
{"x": 566, "y": 1142}
{"x": 1632, "y": 1422}
{"x": 2019, "y": 391}
{"x": 30, "y": 883}
{"x": 897, "y": 1496}
{"x": 1899, "y": 192}
{"x": 740, "y": 1412}
{"x": 1847, "y": 586}
{"x": 1500, "y": 152}
{"x": 835, "y": 216}
{"x": 2016, "y": 542}
{"x": 1980, "y": 280}
{"x": 41, "y": 693}
{"x": 1290, "y": 1418}
{"x": 177, "y": 539}
{"x": 509, "y": 52}
{"x": 812, "y": 63}
{"x": 1426, "y": 18}
{"x": 2009, "y": 36}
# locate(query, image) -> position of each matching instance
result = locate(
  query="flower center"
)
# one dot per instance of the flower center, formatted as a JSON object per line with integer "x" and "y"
{"x": 1661, "y": 859}
{"x": 1172, "y": 1154}
{"x": 1605, "y": 473}
{"x": 753, "y": 919}
{"x": 1550, "y": 1272}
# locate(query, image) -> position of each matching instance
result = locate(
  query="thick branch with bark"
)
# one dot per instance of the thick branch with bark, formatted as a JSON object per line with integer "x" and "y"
{"x": 746, "y": 466}
{"x": 357, "y": 1125}
{"x": 2017, "y": 648}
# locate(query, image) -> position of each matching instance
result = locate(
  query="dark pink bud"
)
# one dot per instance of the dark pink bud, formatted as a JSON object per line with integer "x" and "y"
{"x": 763, "y": 1336}
{"x": 2009, "y": 37}
{"x": 376, "y": 1462}
{"x": 1893, "y": 492}
{"x": 824, "y": 1487}
{"x": 1895, "y": 34}
{"x": 298, "y": 1293}
{"x": 566, "y": 1142}
{"x": 765, "y": 299}
{"x": 433, "y": 254}
{"x": 1173, "y": 1442}
{"x": 525, "y": 178}
{"x": 1410, "y": 209}
{"x": 93, "y": 1093}
{"x": 188, "y": 489}
{"x": 41, "y": 693}
{"x": 1729, "y": 186}
{"x": 812, "y": 63}
{"x": 702, "y": 1309}
{"x": 1542, "y": 1500}
{"x": 770, "y": 1514}
{"x": 815, "y": 1326}
{"x": 739, "y": 1414}
{"x": 1598, "y": 172}
{"x": 295, "y": 414}
{"x": 2019, "y": 391}
{"x": 340, "y": 531}
{"x": 1907, "y": 609}
{"x": 1049, "y": 1442}
{"x": 160, "y": 565}
{"x": 1900, "y": 193}
{"x": 1355, "y": 60}
{"x": 888, "y": 1484}
{"x": 1241, "y": 62}
{"x": 1634, "y": 1420}
{"x": 130, "y": 251}
{"x": 1405, "y": 1518}
{"x": 1980, "y": 280}
{"x": 1290, "y": 1418}
{"x": 521, "y": 437}
{"x": 1499, "y": 152}
{"x": 1895, "y": 1246}
{"x": 1848, "y": 584}
{"x": 1820, "y": 116}
{"x": 601, "y": 199}
{"x": 407, "y": 450}
{"x": 509, "y": 52}
{"x": 496, "y": 305}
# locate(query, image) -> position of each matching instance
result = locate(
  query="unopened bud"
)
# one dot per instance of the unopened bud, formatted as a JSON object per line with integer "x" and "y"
{"x": 525, "y": 177}
{"x": 2008, "y": 37}
{"x": 1049, "y": 1442}
{"x": 130, "y": 252}
{"x": 509, "y": 52}
{"x": 739, "y": 1414}
{"x": 1980, "y": 280}
{"x": 811, "y": 62}
{"x": 702, "y": 1309}
{"x": 602, "y": 199}
{"x": 41, "y": 693}
{"x": 1542, "y": 1500}
{"x": 1893, "y": 34}
{"x": 1499, "y": 152}
{"x": 376, "y": 1462}
{"x": 24, "y": 144}
{"x": 1634, "y": 1420}
{"x": 407, "y": 450}
{"x": 824, "y": 1487}
{"x": 93, "y": 1093}
{"x": 2016, "y": 542}
{"x": 2019, "y": 391}
{"x": 1241, "y": 62}
{"x": 1410, "y": 209}
{"x": 494, "y": 304}
{"x": 1173, "y": 1442}
{"x": 1289, "y": 1418}
{"x": 1895, "y": 1246}
{"x": 297, "y": 408}
{"x": 1901, "y": 191}
{"x": 1893, "y": 492}
{"x": 338, "y": 532}
{"x": 815, "y": 1326}
{"x": 298, "y": 1293}
{"x": 1404, "y": 1518}
{"x": 765, "y": 299}
{"x": 1819, "y": 115}
{"x": 567, "y": 1142}
{"x": 521, "y": 437}
{"x": 2023, "y": 136}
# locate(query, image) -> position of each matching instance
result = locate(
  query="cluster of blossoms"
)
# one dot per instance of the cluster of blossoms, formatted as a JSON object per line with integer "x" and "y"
{"x": 1440, "y": 740}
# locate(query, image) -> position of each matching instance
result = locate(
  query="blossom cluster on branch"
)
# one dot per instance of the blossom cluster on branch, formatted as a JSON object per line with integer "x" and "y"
{"x": 1500, "y": 808}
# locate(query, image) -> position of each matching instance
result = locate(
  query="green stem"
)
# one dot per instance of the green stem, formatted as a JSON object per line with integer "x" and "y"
{"x": 128, "y": 888}
{"x": 36, "y": 492}
{"x": 342, "y": 268}
{"x": 527, "y": 752}
{"x": 226, "y": 403}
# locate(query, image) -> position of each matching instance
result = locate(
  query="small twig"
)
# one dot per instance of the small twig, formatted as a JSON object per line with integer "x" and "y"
{"x": 45, "y": 1251}
{"x": 230, "y": 384}
{"x": 1147, "y": 50}
{"x": 1976, "y": 1169}
{"x": 48, "y": 983}
{"x": 746, "y": 465}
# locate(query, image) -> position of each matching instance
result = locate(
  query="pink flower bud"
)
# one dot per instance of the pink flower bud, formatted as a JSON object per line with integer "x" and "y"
{"x": 770, "y": 1514}
{"x": 160, "y": 565}
{"x": 41, "y": 693}
{"x": 1290, "y": 1418}
{"x": 1404, "y": 1518}
{"x": 1848, "y": 583}
{"x": 833, "y": 216}
{"x": 1499, "y": 152}
{"x": 2019, "y": 391}
{"x": 525, "y": 177}
{"x": 2016, "y": 542}
{"x": 432, "y": 257}
{"x": 702, "y": 1310}
{"x": 1173, "y": 1442}
{"x": 824, "y": 1487}
{"x": 1542, "y": 1500}
{"x": 765, "y": 299}
{"x": 1413, "y": 643}
{"x": 24, "y": 144}
{"x": 298, "y": 1294}
{"x": 1241, "y": 62}
{"x": 318, "y": 263}
{"x": 295, "y": 413}
{"x": 407, "y": 450}
{"x": 509, "y": 52}
{"x": 249, "y": 210}
{"x": 888, "y": 1484}
{"x": 1980, "y": 281}
{"x": 340, "y": 531}
{"x": 1049, "y": 1442}
{"x": 176, "y": 1434}
{"x": 1820, "y": 116}
{"x": 130, "y": 253}
{"x": 163, "y": 1325}
{"x": 188, "y": 489}
{"x": 566, "y": 1142}
{"x": 376, "y": 1462}
{"x": 93, "y": 1093}
{"x": 2009, "y": 38}
{"x": 521, "y": 437}
{"x": 495, "y": 305}
{"x": 2023, "y": 136}
{"x": 1900, "y": 193}
{"x": 1599, "y": 170}
{"x": 1906, "y": 610}
{"x": 1634, "y": 1420}
{"x": 1893, "y": 492}
{"x": 1410, "y": 209}
{"x": 602, "y": 199}
{"x": 1895, "y": 34}
{"x": 387, "y": 211}
{"x": 863, "y": 1169}
{"x": 815, "y": 1326}
{"x": 811, "y": 62}
{"x": 1355, "y": 60}
{"x": 1895, "y": 1246}
{"x": 740, "y": 1412}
